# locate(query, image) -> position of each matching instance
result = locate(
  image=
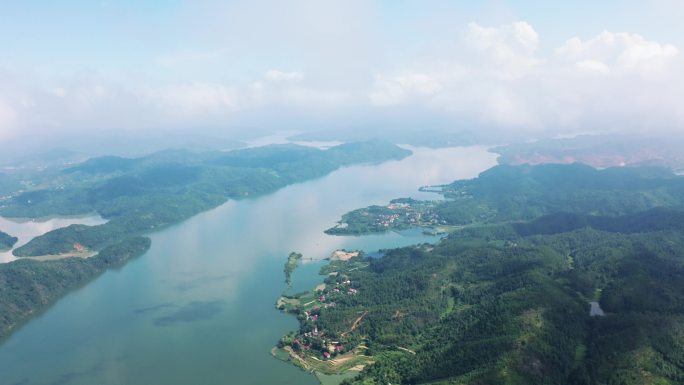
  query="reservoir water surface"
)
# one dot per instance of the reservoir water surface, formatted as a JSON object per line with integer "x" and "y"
{"x": 198, "y": 307}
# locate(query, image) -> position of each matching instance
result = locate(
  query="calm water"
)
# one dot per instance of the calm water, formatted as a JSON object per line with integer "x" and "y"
{"x": 198, "y": 308}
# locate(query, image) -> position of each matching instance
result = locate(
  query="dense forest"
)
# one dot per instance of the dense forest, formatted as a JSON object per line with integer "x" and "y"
{"x": 530, "y": 192}
{"x": 507, "y": 300}
{"x": 6, "y": 241}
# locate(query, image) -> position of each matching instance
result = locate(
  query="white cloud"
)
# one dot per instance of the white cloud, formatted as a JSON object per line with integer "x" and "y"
{"x": 498, "y": 80}
{"x": 280, "y": 76}
{"x": 192, "y": 99}
{"x": 593, "y": 66}
{"x": 391, "y": 89}
{"x": 505, "y": 41}
{"x": 287, "y": 88}
{"x": 509, "y": 49}
{"x": 494, "y": 76}
{"x": 621, "y": 51}
{"x": 7, "y": 119}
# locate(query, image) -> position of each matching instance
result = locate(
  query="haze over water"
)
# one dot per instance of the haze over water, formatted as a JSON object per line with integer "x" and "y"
{"x": 198, "y": 307}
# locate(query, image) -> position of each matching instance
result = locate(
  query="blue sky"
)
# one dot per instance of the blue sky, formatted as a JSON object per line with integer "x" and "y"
{"x": 127, "y": 35}
{"x": 77, "y": 65}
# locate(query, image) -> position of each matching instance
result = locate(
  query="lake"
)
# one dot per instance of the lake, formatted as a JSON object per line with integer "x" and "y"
{"x": 198, "y": 307}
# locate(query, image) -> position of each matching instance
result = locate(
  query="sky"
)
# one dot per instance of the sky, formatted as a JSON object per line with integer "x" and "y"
{"x": 542, "y": 67}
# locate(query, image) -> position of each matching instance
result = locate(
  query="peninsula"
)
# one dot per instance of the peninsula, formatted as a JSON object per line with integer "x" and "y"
{"x": 510, "y": 296}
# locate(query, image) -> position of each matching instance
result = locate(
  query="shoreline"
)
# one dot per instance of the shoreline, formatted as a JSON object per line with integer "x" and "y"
{"x": 335, "y": 364}
{"x": 43, "y": 219}
{"x": 57, "y": 257}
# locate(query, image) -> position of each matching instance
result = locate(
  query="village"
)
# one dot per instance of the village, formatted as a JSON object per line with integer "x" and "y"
{"x": 313, "y": 347}
{"x": 399, "y": 214}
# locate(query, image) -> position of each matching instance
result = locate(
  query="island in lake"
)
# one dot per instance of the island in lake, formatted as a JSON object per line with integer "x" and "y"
{"x": 290, "y": 266}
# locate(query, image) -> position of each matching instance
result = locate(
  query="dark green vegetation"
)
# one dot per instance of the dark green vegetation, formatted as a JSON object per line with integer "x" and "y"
{"x": 400, "y": 214}
{"x": 517, "y": 193}
{"x": 6, "y": 241}
{"x": 139, "y": 196}
{"x": 27, "y": 286}
{"x": 144, "y": 194}
{"x": 504, "y": 300}
{"x": 290, "y": 266}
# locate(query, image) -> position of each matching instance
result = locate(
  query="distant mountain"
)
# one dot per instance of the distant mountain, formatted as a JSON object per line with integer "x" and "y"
{"x": 598, "y": 151}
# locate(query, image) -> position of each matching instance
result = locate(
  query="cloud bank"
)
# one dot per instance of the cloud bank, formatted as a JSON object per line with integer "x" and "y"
{"x": 499, "y": 76}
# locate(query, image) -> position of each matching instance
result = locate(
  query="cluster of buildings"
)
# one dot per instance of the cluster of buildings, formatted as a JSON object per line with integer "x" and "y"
{"x": 316, "y": 339}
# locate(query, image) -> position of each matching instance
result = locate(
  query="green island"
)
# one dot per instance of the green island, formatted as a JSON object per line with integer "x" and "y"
{"x": 141, "y": 195}
{"x": 556, "y": 274}
{"x": 290, "y": 266}
{"x": 7, "y": 241}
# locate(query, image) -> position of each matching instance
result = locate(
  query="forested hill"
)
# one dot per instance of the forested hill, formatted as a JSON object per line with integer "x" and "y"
{"x": 505, "y": 299}
{"x": 521, "y": 193}
{"x": 144, "y": 194}
{"x": 525, "y": 192}
{"x": 6, "y": 241}
{"x": 486, "y": 311}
